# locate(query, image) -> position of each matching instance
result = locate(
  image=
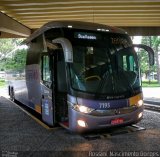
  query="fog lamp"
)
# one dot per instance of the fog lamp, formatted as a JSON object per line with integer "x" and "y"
{"x": 81, "y": 123}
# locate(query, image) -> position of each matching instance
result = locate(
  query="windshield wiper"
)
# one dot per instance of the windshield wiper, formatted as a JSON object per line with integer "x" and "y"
{"x": 107, "y": 78}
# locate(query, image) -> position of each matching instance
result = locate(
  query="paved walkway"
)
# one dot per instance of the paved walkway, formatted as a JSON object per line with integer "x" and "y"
{"x": 21, "y": 136}
{"x": 151, "y": 95}
{"x": 4, "y": 92}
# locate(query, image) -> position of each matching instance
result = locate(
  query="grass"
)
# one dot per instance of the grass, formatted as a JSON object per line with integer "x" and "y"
{"x": 151, "y": 84}
{"x": 2, "y": 83}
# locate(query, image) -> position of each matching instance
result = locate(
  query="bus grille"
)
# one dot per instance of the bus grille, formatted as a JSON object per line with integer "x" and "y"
{"x": 113, "y": 112}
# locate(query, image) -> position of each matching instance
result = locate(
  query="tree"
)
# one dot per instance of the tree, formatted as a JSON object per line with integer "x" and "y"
{"x": 10, "y": 58}
{"x": 156, "y": 45}
{"x": 6, "y": 46}
{"x": 17, "y": 62}
{"x": 154, "y": 42}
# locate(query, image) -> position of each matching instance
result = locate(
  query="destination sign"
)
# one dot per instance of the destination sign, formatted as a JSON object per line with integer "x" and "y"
{"x": 116, "y": 41}
{"x": 89, "y": 36}
{"x": 120, "y": 41}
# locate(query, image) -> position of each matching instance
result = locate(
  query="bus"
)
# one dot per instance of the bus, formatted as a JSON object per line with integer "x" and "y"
{"x": 83, "y": 76}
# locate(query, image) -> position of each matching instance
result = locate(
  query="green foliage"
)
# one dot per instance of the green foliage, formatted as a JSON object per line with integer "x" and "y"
{"x": 16, "y": 58}
{"x": 17, "y": 62}
{"x": 153, "y": 42}
{"x": 143, "y": 60}
{"x": 6, "y": 45}
{"x": 151, "y": 84}
{"x": 2, "y": 83}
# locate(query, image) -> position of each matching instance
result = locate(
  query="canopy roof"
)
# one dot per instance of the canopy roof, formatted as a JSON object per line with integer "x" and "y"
{"x": 35, "y": 13}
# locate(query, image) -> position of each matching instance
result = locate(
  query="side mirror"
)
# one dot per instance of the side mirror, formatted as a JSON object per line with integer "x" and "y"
{"x": 67, "y": 48}
{"x": 149, "y": 50}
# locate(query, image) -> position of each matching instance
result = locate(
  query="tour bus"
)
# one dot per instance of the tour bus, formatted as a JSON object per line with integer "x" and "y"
{"x": 83, "y": 76}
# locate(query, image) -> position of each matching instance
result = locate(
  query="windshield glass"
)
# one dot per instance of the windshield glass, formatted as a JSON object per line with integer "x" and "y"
{"x": 103, "y": 63}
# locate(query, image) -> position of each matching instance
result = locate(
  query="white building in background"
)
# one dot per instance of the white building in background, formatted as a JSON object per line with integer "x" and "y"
{"x": 2, "y": 74}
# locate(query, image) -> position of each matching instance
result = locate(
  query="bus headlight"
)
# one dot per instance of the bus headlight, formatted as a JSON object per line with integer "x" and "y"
{"x": 80, "y": 108}
{"x": 83, "y": 109}
{"x": 140, "y": 103}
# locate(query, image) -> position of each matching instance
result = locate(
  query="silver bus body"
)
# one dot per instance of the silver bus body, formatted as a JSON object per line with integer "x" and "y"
{"x": 82, "y": 75}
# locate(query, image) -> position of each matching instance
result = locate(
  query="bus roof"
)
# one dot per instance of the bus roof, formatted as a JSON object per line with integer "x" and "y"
{"x": 74, "y": 24}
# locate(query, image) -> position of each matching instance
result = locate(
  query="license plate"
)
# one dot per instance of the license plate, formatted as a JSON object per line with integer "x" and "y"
{"x": 117, "y": 121}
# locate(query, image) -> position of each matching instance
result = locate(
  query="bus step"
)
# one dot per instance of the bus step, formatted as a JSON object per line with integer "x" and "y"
{"x": 136, "y": 128}
{"x": 112, "y": 132}
{"x": 92, "y": 137}
{"x": 64, "y": 124}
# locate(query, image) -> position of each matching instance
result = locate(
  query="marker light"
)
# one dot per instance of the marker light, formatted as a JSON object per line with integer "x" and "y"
{"x": 140, "y": 103}
{"x": 140, "y": 115}
{"x": 69, "y": 26}
{"x": 81, "y": 123}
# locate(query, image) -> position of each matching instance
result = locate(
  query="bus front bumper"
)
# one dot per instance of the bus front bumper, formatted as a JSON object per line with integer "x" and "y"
{"x": 80, "y": 122}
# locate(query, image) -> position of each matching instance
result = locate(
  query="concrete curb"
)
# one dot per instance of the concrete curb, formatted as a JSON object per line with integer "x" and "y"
{"x": 152, "y": 102}
{"x": 150, "y": 106}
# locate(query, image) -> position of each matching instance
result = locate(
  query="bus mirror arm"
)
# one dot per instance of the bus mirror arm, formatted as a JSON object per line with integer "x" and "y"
{"x": 149, "y": 50}
{"x": 67, "y": 48}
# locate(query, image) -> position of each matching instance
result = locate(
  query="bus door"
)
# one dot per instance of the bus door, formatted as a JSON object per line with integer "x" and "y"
{"x": 48, "y": 86}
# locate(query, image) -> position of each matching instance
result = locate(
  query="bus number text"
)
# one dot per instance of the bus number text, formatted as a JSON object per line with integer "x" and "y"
{"x": 104, "y": 105}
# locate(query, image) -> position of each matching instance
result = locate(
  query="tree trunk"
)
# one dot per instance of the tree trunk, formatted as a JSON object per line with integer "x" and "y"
{"x": 157, "y": 64}
{"x": 150, "y": 43}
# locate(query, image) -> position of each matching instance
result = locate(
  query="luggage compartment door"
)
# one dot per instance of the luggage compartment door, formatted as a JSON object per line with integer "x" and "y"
{"x": 47, "y": 106}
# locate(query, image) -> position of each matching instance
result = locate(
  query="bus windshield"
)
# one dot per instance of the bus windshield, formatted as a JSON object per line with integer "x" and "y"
{"x": 105, "y": 66}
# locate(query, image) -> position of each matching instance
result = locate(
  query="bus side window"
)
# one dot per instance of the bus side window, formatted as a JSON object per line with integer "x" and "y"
{"x": 46, "y": 73}
{"x": 128, "y": 63}
{"x": 125, "y": 63}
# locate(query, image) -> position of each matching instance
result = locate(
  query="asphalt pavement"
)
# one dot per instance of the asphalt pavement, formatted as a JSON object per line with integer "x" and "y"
{"x": 21, "y": 136}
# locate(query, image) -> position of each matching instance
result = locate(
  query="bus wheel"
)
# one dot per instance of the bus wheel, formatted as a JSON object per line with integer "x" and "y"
{"x": 12, "y": 94}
